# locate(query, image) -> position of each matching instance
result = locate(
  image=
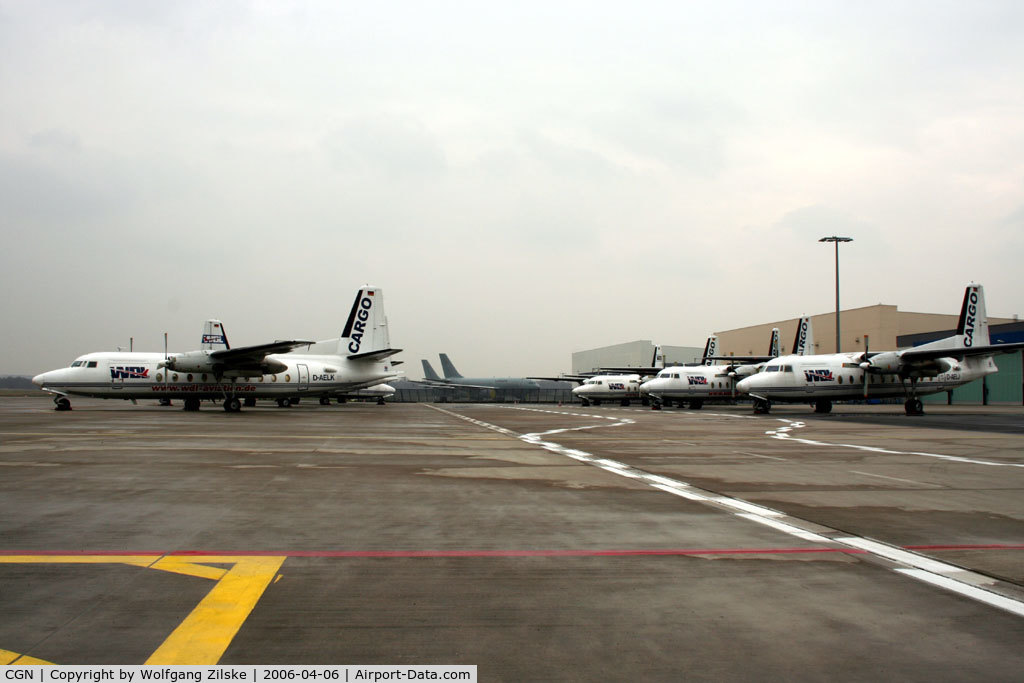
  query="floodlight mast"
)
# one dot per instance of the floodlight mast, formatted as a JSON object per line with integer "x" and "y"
{"x": 837, "y": 240}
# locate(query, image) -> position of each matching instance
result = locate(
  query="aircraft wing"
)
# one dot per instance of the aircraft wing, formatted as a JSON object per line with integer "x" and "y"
{"x": 450, "y": 385}
{"x": 246, "y": 356}
{"x": 635, "y": 371}
{"x": 566, "y": 378}
{"x": 911, "y": 355}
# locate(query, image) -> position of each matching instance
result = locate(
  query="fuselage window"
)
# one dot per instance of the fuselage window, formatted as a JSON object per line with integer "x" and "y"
{"x": 840, "y": 379}
{"x": 174, "y": 377}
{"x": 159, "y": 377}
{"x": 188, "y": 377}
{"x": 287, "y": 378}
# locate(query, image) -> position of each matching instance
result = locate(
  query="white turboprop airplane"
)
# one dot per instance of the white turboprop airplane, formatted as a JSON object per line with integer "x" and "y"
{"x": 621, "y": 387}
{"x": 692, "y": 385}
{"x": 357, "y": 359}
{"x": 930, "y": 368}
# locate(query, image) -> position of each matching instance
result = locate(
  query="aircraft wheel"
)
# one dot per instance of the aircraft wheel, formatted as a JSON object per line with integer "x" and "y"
{"x": 914, "y": 406}
{"x": 697, "y": 404}
{"x": 624, "y": 402}
{"x": 325, "y": 401}
{"x": 584, "y": 402}
{"x": 380, "y": 401}
{"x": 232, "y": 405}
{"x": 61, "y": 403}
{"x": 761, "y": 406}
{"x": 284, "y": 402}
{"x": 165, "y": 401}
{"x": 249, "y": 402}
{"x": 341, "y": 399}
{"x": 823, "y": 406}
{"x": 655, "y": 406}
{"x": 191, "y": 404}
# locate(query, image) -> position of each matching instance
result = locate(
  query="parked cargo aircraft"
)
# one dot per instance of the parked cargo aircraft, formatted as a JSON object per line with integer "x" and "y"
{"x": 927, "y": 369}
{"x": 357, "y": 359}
{"x": 692, "y": 385}
{"x": 623, "y": 386}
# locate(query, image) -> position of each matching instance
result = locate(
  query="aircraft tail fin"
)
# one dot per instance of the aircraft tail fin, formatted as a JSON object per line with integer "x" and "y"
{"x": 803, "y": 343}
{"x": 659, "y": 357}
{"x": 972, "y": 327}
{"x": 448, "y": 368}
{"x": 710, "y": 350}
{"x": 366, "y": 330}
{"x": 773, "y": 343}
{"x": 428, "y": 372}
{"x": 214, "y": 336}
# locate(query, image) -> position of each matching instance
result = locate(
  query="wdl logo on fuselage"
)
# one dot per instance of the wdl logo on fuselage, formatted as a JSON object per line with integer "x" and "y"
{"x": 129, "y": 372}
{"x": 819, "y": 375}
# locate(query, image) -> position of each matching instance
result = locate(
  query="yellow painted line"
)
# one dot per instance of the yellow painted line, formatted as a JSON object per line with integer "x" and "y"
{"x": 8, "y": 657}
{"x": 206, "y": 633}
{"x": 180, "y": 565}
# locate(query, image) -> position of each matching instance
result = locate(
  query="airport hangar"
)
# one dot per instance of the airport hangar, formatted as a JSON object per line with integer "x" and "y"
{"x": 886, "y": 326}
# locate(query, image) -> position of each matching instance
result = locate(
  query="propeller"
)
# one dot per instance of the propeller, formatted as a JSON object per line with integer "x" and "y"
{"x": 865, "y": 365}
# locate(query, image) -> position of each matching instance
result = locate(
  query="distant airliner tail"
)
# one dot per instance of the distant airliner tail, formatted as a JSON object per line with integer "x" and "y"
{"x": 448, "y": 368}
{"x": 214, "y": 336}
{"x": 428, "y": 372}
{"x": 972, "y": 327}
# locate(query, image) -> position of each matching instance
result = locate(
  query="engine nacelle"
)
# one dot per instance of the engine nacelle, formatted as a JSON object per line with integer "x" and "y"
{"x": 744, "y": 370}
{"x": 193, "y": 361}
{"x": 889, "y": 361}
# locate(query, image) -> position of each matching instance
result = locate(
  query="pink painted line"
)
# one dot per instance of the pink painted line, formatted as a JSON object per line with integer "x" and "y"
{"x": 492, "y": 553}
{"x": 443, "y": 553}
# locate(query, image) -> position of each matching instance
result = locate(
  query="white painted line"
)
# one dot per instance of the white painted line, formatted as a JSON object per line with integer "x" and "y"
{"x": 787, "y": 528}
{"x": 758, "y": 455}
{"x": 899, "y": 555}
{"x": 749, "y": 507}
{"x": 683, "y": 493}
{"x": 973, "y": 592}
{"x": 782, "y": 433}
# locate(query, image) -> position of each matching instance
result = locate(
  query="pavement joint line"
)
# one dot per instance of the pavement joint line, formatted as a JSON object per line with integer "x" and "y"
{"x": 934, "y": 572}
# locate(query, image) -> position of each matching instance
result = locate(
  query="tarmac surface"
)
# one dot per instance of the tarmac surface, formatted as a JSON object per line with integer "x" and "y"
{"x": 538, "y": 542}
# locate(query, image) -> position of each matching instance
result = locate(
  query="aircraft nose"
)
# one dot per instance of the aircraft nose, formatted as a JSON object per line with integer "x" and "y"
{"x": 40, "y": 379}
{"x": 745, "y": 384}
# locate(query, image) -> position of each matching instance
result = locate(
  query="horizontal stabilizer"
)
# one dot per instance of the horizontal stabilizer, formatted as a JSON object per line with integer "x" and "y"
{"x": 374, "y": 355}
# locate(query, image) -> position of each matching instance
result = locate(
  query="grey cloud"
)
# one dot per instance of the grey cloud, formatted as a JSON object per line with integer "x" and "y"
{"x": 394, "y": 148}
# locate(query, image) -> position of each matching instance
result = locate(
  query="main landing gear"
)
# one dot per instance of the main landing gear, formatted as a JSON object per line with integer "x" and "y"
{"x": 232, "y": 404}
{"x": 823, "y": 405}
{"x": 913, "y": 406}
{"x": 284, "y": 402}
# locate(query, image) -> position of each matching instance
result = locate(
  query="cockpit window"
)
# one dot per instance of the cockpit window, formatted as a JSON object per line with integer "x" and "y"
{"x": 772, "y": 368}
{"x": 77, "y": 363}
{"x": 91, "y": 364}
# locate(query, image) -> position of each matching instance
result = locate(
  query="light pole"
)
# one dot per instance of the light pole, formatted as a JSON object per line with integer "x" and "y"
{"x": 837, "y": 240}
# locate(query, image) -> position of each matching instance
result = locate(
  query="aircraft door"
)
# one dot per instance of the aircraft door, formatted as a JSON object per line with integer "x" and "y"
{"x": 116, "y": 377}
{"x": 303, "y": 377}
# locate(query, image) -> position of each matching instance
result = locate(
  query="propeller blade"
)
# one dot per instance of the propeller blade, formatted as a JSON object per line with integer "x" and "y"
{"x": 867, "y": 370}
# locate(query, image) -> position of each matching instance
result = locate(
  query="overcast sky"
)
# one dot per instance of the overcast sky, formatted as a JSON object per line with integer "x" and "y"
{"x": 523, "y": 180}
